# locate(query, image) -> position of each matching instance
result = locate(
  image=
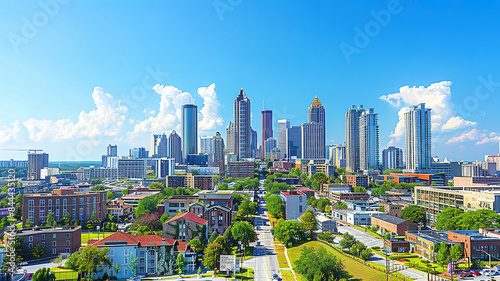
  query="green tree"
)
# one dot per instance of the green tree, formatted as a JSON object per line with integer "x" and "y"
{"x": 447, "y": 219}
{"x": 90, "y": 258}
{"x": 212, "y": 238}
{"x": 147, "y": 205}
{"x": 180, "y": 262}
{"x": 49, "y": 219}
{"x": 359, "y": 189}
{"x": 28, "y": 223}
{"x": 414, "y": 213}
{"x": 326, "y": 236}
{"x": 143, "y": 230}
{"x": 133, "y": 263}
{"x": 228, "y": 235}
{"x": 211, "y": 258}
{"x": 443, "y": 254}
{"x": 392, "y": 171}
{"x": 318, "y": 264}
{"x": 164, "y": 218}
{"x": 196, "y": 245}
{"x": 289, "y": 232}
{"x": 110, "y": 195}
{"x": 98, "y": 187}
{"x": 44, "y": 274}
{"x": 117, "y": 268}
{"x": 96, "y": 181}
{"x": 275, "y": 206}
{"x": 456, "y": 252}
{"x": 156, "y": 185}
{"x": 38, "y": 251}
{"x": 357, "y": 248}
{"x": 244, "y": 231}
{"x": 309, "y": 221}
{"x": 340, "y": 205}
{"x": 347, "y": 241}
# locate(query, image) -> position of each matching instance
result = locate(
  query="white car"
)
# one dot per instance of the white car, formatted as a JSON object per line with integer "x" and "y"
{"x": 23, "y": 263}
{"x": 487, "y": 271}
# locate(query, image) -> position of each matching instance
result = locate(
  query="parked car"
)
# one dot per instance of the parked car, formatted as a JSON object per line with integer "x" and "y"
{"x": 23, "y": 263}
{"x": 489, "y": 271}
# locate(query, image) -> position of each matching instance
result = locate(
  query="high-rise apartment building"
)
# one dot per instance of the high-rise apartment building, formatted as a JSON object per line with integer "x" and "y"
{"x": 418, "y": 139}
{"x": 159, "y": 146}
{"x": 368, "y": 140}
{"x": 283, "y": 124}
{"x": 138, "y": 152}
{"x": 189, "y": 130}
{"x": 218, "y": 152}
{"x": 207, "y": 147}
{"x": 266, "y": 127}
{"x": 337, "y": 155}
{"x": 316, "y": 115}
{"x": 242, "y": 123}
{"x": 111, "y": 152}
{"x": 392, "y": 158}
{"x": 352, "y": 138}
{"x": 36, "y": 162}
{"x": 269, "y": 146}
{"x": 175, "y": 147}
{"x": 294, "y": 142}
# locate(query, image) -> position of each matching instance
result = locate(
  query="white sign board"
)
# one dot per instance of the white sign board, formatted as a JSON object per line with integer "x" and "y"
{"x": 227, "y": 262}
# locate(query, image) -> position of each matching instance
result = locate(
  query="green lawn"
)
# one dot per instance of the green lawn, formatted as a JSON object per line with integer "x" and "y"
{"x": 287, "y": 275}
{"x": 357, "y": 269}
{"x": 280, "y": 254}
{"x": 64, "y": 274}
{"x": 87, "y": 236}
{"x": 247, "y": 274}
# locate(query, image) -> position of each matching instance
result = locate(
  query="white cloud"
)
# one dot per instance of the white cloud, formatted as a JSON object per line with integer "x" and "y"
{"x": 493, "y": 137}
{"x": 437, "y": 97}
{"x": 457, "y": 122}
{"x": 106, "y": 119}
{"x": 169, "y": 113}
{"x": 209, "y": 113}
{"x": 473, "y": 134}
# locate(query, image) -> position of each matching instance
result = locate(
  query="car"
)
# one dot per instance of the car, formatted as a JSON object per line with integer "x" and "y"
{"x": 488, "y": 271}
{"x": 275, "y": 276}
{"x": 23, "y": 263}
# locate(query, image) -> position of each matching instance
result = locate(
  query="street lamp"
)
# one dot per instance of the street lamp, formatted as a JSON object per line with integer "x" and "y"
{"x": 489, "y": 258}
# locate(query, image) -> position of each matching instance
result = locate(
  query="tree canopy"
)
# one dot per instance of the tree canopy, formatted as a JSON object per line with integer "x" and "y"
{"x": 318, "y": 264}
{"x": 414, "y": 213}
{"x": 455, "y": 219}
{"x": 244, "y": 231}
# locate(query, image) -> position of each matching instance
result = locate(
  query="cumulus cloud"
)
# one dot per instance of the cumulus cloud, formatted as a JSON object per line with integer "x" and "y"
{"x": 493, "y": 137}
{"x": 473, "y": 134}
{"x": 210, "y": 117}
{"x": 437, "y": 97}
{"x": 169, "y": 114}
{"x": 106, "y": 119}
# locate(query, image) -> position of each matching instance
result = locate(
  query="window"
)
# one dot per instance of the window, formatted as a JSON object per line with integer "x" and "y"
{"x": 126, "y": 271}
{"x": 125, "y": 260}
{"x": 54, "y": 251}
{"x": 300, "y": 199}
{"x": 125, "y": 252}
{"x": 112, "y": 260}
{"x": 43, "y": 244}
{"x": 111, "y": 252}
{"x": 67, "y": 250}
{"x": 30, "y": 238}
{"x": 68, "y": 235}
{"x": 300, "y": 208}
{"x": 43, "y": 237}
{"x": 54, "y": 243}
{"x": 67, "y": 242}
{"x": 31, "y": 210}
{"x": 30, "y": 245}
{"x": 54, "y": 236}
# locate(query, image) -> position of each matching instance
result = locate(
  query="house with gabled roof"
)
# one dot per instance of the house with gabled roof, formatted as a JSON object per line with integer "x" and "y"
{"x": 185, "y": 227}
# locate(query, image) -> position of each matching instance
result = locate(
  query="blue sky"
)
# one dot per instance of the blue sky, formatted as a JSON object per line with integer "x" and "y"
{"x": 65, "y": 67}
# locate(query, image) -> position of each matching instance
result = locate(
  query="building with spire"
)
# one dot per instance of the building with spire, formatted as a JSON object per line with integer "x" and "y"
{"x": 313, "y": 133}
{"x": 242, "y": 123}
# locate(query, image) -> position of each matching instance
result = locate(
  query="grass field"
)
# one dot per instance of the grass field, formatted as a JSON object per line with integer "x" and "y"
{"x": 356, "y": 269}
{"x": 64, "y": 274}
{"x": 287, "y": 275}
{"x": 87, "y": 236}
{"x": 280, "y": 254}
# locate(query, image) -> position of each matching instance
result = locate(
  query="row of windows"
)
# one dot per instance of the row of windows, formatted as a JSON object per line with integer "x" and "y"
{"x": 30, "y": 238}
{"x": 485, "y": 248}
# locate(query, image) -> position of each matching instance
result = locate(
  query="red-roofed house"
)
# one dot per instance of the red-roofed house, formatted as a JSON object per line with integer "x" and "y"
{"x": 154, "y": 254}
{"x": 118, "y": 208}
{"x": 185, "y": 227}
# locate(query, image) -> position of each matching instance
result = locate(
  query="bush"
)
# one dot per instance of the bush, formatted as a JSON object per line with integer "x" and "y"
{"x": 403, "y": 256}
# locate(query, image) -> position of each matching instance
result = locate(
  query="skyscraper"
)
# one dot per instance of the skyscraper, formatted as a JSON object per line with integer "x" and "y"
{"x": 392, "y": 158}
{"x": 218, "y": 152}
{"x": 254, "y": 144}
{"x": 283, "y": 124}
{"x": 242, "y": 122}
{"x": 294, "y": 142}
{"x": 266, "y": 128}
{"x": 352, "y": 138}
{"x": 112, "y": 150}
{"x": 418, "y": 138}
{"x": 138, "y": 152}
{"x": 159, "y": 146}
{"x": 189, "y": 130}
{"x": 175, "y": 147}
{"x": 36, "y": 162}
{"x": 231, "y": 139}
{"x": 207, "y": 147}
{"x": 368, "y": 140}
{"x": 316, "y": 114}
{"x": 313, "y": 143}
{"x": 269, "y": 145}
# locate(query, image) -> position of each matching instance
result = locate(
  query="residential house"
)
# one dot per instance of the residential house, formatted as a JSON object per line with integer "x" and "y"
{"x": 185, "y": 227}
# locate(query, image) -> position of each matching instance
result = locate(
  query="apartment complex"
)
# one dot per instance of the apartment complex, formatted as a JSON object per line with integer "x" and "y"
{"x": 241, "y": 169}
{"x": 81, "y": 205}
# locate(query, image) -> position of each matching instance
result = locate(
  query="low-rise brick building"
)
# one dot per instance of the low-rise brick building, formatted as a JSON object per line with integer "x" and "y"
{"x": 392, "y": 224}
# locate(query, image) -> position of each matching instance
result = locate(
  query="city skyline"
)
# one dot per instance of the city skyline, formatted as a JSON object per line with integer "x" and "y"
{"x": 72, "y": 99}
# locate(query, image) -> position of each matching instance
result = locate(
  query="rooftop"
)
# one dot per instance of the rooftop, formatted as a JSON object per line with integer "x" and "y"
{"x": 123, "y": 238}
{"x": 474, "y": 235}
{"x": 189, "y": 216}
{"x": 432, "y": 236}
{"x": 390, "y": 219}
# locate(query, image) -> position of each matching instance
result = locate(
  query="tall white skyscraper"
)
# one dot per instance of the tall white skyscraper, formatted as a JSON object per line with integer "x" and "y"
{"x": 352, "y": 138}
{"x": 283, "y": 124}
{"x": 368, "y": 140}
{"x": 418, "y": 139}
{"x": 159, "y": 146}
